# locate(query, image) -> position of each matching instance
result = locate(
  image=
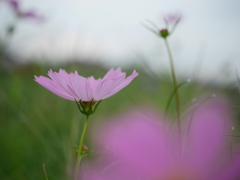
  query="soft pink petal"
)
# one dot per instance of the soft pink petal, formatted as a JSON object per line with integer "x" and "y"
{"x": 73, "y": 83}
{"x": 106, "y": 87}
{"x": 122, "y": 85}
{"x": 138, "y": 146}
{"x": 173, "y": 18}
{"x": 109, "y": 73}
{"x": 233, "y": 171}
{"x": 86, "y": 89}
{"x": 64, "y": 75}
{"x": 82, "y": 88}
{"x": 112, "y": 169}
{"x": 114, "y": 74}
{"x": 89, "y": 91}
{"x": 93, "y": 83}
{"x": 50, "y": 85}
{"x": 139, "y": 140}
{"x": 32, "y": 15}
{"x": 103, "y": 87}
{"x": 62, "y": 80}
{"x": 14, "y": 4}
{"x": 78, "y": 84}
{"x": 207, "y": 134}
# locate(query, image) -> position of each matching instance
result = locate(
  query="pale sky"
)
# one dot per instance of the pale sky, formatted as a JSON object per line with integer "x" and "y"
{"x": 110, "y": 31}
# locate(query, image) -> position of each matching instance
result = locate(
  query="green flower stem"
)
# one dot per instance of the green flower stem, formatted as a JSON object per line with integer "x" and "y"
{"x": 172, "y": 95}
{"x": 175, "y": 84}
{"x": 79, "y": 156}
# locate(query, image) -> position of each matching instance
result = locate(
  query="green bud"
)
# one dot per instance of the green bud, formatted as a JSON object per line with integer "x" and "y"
{"x": 84, "y": 149}
{"x": 164, "y": 33}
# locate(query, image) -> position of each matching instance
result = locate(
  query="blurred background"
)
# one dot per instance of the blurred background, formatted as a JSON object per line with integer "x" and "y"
{"x": 92, "y": 36}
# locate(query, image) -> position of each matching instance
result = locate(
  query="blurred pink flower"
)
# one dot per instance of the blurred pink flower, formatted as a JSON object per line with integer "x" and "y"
{"x": 173, "y": 18}
{"x": 75, "y": 87}
{"x": 140, "y": 147}
{"x": 14, "y": 4}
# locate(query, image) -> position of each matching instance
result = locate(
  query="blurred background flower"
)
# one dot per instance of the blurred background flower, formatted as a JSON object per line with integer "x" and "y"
{"x": 8, "y": 30}
{"x": 14, "y": 4}
{"x": 141, "y": 145}
{"x": 173, "y": 18}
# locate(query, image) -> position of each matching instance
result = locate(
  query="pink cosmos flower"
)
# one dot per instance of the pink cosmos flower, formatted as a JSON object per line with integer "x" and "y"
{"x": 75, "y": 87}
{"x": 173, "y": 18}
{"x": 14, "y": 4}
{"x": 141, "y": 147}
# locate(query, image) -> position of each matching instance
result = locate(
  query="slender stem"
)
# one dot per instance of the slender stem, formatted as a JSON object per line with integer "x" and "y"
{"x": 172, "y": 95}
{"x": 45, "y": 172}
{"x": 175, "y": 84}
{"x": 79, "y": 156}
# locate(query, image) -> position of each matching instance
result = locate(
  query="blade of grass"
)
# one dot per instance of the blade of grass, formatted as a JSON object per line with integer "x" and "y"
{"x": 172, "y": 95}
{"x": 45, "y": 172}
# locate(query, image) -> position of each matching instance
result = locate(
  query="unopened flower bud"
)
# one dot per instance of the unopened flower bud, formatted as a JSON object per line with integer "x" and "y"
{"x": 164, "y": 33}
{"x": 84, "y": 149}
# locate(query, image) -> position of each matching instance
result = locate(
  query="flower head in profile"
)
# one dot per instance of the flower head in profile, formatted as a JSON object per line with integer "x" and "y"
{"x": 75, "y": 87}
{"x": 15, "y": 6}
{"x": 139, "y": 146}
{"x": 171, "y": 19}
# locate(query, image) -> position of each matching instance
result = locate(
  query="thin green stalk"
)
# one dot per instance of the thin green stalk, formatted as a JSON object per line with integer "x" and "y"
{"x": 175, "y": 84}
{"x": 45, "y": 172}
{"x": 79, "y": 156}
{"x": 172, "y": 95}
